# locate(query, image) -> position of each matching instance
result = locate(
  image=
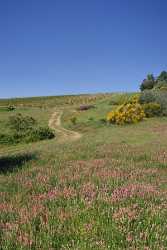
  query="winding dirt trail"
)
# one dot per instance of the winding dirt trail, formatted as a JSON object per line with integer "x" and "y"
{"x": 55, "y": 124}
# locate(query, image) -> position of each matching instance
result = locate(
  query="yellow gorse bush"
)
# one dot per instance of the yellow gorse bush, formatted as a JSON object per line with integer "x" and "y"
{"x": 134, "y": 99}
{"x": 126, "y": 113}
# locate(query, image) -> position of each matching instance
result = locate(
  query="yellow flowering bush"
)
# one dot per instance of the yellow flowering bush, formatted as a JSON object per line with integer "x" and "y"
{"x": 126, "y": 113}
{"x": 134, "y": 99}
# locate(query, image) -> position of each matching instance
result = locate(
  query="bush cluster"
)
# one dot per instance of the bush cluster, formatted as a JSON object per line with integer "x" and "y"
{"x": 38, "y": 134}
{"x": 126, "y": 113}
{"x": 162, "y": 85}
{"x": 25, "y": 129}
{"x": 11, "y": 108}
{"x": 134, "y": 99}
{"x": 148, "y": 96}
{"x": 155, "y": 96}
{"x": 73, "y": 120}
{"x": 152, "y": 109}
{"x": 19, "y": 122}
{"x": 161, "y": 98}
{"x": 152, "y": 82}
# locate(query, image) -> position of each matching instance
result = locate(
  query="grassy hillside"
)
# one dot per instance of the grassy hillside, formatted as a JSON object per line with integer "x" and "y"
{"x": 105, "y": 190}
{"x": 51, "y": 101}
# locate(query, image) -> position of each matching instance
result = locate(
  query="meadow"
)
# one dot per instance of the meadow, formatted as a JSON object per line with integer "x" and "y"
{"x": 94, "y": 186}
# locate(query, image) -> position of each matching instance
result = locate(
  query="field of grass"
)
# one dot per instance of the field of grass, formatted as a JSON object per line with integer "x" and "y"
{"x": 106, "y": 190}
{"x": 52, "y": 101}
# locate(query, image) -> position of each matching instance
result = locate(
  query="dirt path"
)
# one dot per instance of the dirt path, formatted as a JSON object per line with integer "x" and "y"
{"x": 55, "y": 124}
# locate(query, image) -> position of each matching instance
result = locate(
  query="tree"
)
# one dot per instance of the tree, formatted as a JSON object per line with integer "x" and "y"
{"x": 162, "y": 76}
{"x": 150, "y": 77}
{"x": 148, "y": 83}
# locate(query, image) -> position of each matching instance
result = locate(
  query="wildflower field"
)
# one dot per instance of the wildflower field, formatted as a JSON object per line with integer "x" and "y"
{"x": 105, "y": 189}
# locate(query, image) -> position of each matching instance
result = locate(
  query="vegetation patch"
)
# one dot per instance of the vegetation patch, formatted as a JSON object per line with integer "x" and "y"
{"x": 152, "y": 109}
{"x": 106, "y": 190}
{"x": 24, "y": 129}
{"x": 152, "y": 82}
{"x": 7, "y": 108}
{"x": 125, "y": 114}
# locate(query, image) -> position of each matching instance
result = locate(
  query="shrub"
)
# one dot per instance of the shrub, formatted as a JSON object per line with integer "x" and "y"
{"x": 134, "y": 99}
{"x": 163, "y": 88}
{"x": 38, "y": 134}
{"x": 147, "y": 96}
{"x": 154, "y": 82}
{"x": 156, "y": 96}
{"x": 127, "y": 113}
{"x": 152, "y": 109}
{"x": 85, "y": 107}
{"x": 161, "y": 98}
{"x": 6, "y": 139}
{"x": 25, "y": 129}
{"x": 73, "y": 120}
{"x": 12, "y": 138}
{"x": 160, "y": 85}
{"x": 21, "y": 123}
{"x": 11, "y": 108}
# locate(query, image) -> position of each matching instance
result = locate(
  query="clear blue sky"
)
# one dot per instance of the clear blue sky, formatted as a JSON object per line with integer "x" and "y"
{"x": 53, "y": 47}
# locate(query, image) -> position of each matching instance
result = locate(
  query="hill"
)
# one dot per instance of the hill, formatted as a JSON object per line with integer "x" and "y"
{"x": 95, "y": 185}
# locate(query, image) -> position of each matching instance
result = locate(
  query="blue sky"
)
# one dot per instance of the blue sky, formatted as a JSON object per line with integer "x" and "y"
{"x": 53, "y": 47}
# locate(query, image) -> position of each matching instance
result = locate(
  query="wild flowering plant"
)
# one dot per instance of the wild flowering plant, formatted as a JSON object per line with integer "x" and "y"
{"x": 126, "y": 113}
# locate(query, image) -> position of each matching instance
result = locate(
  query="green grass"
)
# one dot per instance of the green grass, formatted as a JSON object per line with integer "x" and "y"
{"x": 104, "y": 191}
{"x": 41, "y": 115}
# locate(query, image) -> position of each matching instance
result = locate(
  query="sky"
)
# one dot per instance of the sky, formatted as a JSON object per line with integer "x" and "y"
{"x": 57, "y": 47}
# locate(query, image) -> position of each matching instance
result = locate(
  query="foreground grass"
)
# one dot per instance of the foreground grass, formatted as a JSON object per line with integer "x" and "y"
{"x": 104, "y": 191}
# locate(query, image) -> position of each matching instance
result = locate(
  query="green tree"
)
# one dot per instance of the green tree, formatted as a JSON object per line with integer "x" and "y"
{"x": 162, "y": 76}
{"x": 150, "y": 77}
{"x": 148, "y": 83}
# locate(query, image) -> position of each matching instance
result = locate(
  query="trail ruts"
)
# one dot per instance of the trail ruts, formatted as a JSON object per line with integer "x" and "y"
{"x": 55, "y": 124}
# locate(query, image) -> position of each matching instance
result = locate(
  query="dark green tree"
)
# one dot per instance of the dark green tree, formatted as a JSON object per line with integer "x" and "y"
{"x": 162, "y": 77}
{"x": 150, "y": 77}
{"x": 148, "y": 83}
